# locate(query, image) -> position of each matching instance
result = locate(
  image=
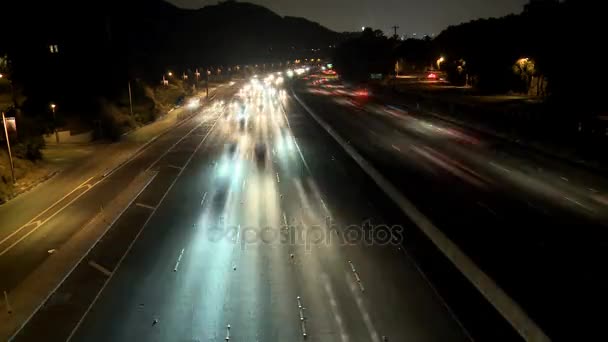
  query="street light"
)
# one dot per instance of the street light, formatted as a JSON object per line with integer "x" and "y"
{"x": 170, "y": 73}
{"x": 8, "y": 146}
{"x": 439, "y": 61}
{"x": 53, "y": 106}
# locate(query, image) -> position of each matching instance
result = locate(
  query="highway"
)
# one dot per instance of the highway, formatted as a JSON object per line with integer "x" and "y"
{"x": 263, "y": 230}
{"x": 25, "y": 241}
{"x": 535, "y": 224}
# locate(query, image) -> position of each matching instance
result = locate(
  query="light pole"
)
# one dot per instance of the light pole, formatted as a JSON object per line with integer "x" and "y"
{"x": 130, "y": 98}
{"x": 53, "y": 106}
{"x": 207, "y": 81}
{"x": 198, "y": 74}
{"x": 8, "y": 146}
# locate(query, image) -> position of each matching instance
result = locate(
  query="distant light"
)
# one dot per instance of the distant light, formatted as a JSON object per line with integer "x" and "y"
{"x": 53, "y": 105}
{"x": 194, "y": 103}
{"x": 1, "y": 75}
{"x": 432, "y": 76}
{"x": 362, "y": 28}
{"x": 170, "y": 73}
{"x": 289, "y": 73}
{"x": 323, "y": 68}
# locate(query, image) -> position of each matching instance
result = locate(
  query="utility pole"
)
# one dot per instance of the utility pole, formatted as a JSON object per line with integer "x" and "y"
{"x": 395, "y": 30}
{"x": 130, "y": 98}
{"x": 8, "y": 146}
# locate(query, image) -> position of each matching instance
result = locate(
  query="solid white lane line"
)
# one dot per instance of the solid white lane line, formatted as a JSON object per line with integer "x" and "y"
{"x": 294, "y": 139}
{"x": 39, "y": 223}
{"x": 493, "y": 293}
{"x": 100, "y": 268}
{"x": 204, "y": 197}
{"x": 174, "y": 166}
{"x": 179, "y": 258}
{"x": 145, "y": 206}
{"x": 500, "y": 167}
{"x": 396, "y": 148}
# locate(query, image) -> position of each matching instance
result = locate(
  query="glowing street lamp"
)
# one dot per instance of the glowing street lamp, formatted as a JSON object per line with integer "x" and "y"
{"x": 53, "y": 106}
{"x": 439, "y": 61}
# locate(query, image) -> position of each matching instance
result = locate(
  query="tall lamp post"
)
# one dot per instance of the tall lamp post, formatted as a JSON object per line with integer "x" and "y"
{"x": 130, "y": 98}
{"x": 53, "y": 106}
{"x": 8, "y": 146}
{"x": 198, "y": 74}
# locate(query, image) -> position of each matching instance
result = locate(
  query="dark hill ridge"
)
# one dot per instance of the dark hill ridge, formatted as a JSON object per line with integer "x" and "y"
{"x": 153, "y": 34}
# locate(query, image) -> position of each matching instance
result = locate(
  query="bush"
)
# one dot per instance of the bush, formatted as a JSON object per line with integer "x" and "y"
{"x": 29, "y": 148}
{"x": 113, "y": 121}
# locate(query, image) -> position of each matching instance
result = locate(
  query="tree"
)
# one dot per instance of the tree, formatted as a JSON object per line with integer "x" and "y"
{"x": 368, "y": 53}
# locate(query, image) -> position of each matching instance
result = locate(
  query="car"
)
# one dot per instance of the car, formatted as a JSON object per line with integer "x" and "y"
{"x": 260, "y": 152}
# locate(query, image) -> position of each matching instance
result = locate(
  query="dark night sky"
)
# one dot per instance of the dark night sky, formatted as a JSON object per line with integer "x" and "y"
{"x": 419, "y": 16}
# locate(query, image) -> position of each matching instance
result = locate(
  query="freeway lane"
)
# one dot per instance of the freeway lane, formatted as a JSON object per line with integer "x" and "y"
{"x": 23, "y": 249}
{"x": 535, "y": 225}
{"x": 250, "y": 244}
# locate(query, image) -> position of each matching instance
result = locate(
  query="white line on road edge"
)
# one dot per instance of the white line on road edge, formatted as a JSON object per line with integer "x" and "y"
{"x": 204, "y": 197}
{"x": 33, "y": 220}
{"x": 302, "y": 318}
{"x": 294, "y": 140}
{"x": 278, "y": 179}
{"x": 145, "y": 206}
{"x": 100, "y": 268}
{"x": 39, "y": 223}
{"x": 9, "y": 310}
{"x": 501, "y": 301}
{"x": 45, "y": 300}
{"x": 174, "y": 166}
{"x": 138, "y": 233}
{"x": 179, "y": 258}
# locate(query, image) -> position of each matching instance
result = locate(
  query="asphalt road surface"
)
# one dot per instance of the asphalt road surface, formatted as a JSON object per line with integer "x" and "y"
{"x": 264, "y": 234}
{"x": 536, "y": 225}
{"x": 25, "y": 245}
